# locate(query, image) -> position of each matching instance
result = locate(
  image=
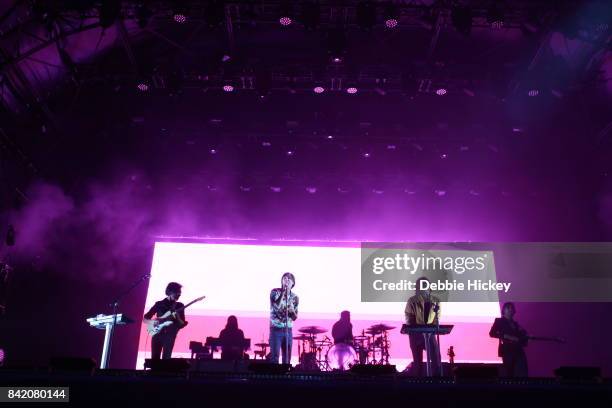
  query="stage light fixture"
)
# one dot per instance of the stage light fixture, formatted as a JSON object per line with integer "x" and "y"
{"x": 533, "y": 92}
{"x": 336, "y": 43}
{"x": 461, "y": 17}
{"x": 441, "y": 91}
{"x": 495, "y": 17}
{"x": 286, "y": 13}
{"x": 391, "y": 16}
{"x": 351, "y": 90}
{"x": 318, "y": 89}
{"x": 142, "y": 86}
{"x": 366, "y": 15}
{"x": 228, "y": 88}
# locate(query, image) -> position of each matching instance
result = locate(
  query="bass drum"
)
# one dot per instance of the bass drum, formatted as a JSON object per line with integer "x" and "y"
{"x": 341, "y": 357}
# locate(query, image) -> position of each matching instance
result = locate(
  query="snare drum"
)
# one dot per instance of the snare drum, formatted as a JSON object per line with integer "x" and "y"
{"x": 341, "y": 357}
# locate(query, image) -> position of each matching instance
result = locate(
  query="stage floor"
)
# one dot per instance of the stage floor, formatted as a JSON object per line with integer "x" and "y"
{"x": 239, "y": 389}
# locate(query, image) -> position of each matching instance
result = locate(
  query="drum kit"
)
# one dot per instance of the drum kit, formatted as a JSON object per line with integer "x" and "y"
{"x": 371, "y": 347}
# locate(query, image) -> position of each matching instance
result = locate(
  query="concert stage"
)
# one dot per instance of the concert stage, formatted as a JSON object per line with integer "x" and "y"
{"x": 238, "y": 389}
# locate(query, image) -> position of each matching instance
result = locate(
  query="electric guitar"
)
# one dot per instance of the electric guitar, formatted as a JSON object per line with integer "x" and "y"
{"x": 522, "y": 340}
{"x": 154, "y": 326}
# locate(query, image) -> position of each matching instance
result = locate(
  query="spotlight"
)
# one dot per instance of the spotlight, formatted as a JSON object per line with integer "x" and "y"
{"x": 266, "y": 144}
{"x": 213, "y": 151}
{"x": 228, "y": 88}
{"x": 495, "y": 17}
{"x": 351, "y": 90}
{"x": 336, "y": 43}
{"x": 391, "y": 16}
{"x": 366, "y": 155}
{"x": 461, "y": 18}
{"x": 180, "y": 18}
{"x": 318, "y": 89}
{"x": 290, "y": 152}
{"x": 142, "y": 86}
{"x": 366, "y": 15}
{"x": 533, "y": 92}
{"x": 440, "y": 193}
{"x": 285, "y": 13}
{"x": 330, "y": 137}
{"x": 276, "y": 189}
{"x": 311, "y": 190}
{"x": 441, "y": 91}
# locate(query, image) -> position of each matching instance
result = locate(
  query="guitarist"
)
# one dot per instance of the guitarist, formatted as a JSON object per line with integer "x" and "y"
{"x": 512, "y": 341}
{"x": 163, "y": 342}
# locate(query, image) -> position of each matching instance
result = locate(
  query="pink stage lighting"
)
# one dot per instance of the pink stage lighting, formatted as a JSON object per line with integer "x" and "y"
{"x": 228, "y": 88}
{"x": 391, "y": 23}
{"x": 533, "y": 92}
{"x": 143, "y": 87}
{"x": 441, "y": 91}
{"x": 180, "y": 18}
{"x": 351, "y": 90}
{"x": 319, "y": 89}
{"x": 285, "y": 21}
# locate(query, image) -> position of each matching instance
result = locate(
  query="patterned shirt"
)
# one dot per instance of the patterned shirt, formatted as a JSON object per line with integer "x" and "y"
{"x": 278, "y": 306}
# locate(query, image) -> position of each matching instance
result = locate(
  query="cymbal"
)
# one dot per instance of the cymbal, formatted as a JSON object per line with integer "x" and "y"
{"x": 302, "y": 337}
{"x": 323, "y": 343}
{"x": 361, "y": 338}
{"x": 382, "y": 327}
{"x": 312, "y": 330}
{"x": 262, "y": 345}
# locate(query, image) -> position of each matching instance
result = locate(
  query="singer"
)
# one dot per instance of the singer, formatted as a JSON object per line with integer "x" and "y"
{"x": 283, "y": 311}
{"x": 423, "y": 308}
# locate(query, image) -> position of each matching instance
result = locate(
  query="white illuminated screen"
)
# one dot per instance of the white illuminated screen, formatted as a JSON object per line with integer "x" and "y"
{"x": 237, "y": 278}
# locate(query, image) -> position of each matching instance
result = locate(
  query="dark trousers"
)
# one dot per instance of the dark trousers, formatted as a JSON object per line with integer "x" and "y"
{"x": 279, "y": 340}
{"x": 418, "y": 345}
{"x": 162, "y": 344}
{"x": 515, "y": 363}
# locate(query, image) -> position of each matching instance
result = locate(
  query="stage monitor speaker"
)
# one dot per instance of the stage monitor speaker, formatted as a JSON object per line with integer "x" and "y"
{"x": 172, "y": 365}
{"x": 578, "y": 373}
{"x": 72, "y": 364}
{"x": 264, "y": 367}
{"x": 476, "y": 371}
{"x": 369, "y": 369}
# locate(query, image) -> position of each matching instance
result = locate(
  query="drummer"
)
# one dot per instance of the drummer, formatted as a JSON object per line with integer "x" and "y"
{"x": 342, "y": 330}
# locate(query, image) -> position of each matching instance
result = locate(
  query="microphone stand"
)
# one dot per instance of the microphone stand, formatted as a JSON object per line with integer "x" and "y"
{"x": 115, "y": 306}
{"x": 439, "y": 356}
{"x": 287, "y": 356}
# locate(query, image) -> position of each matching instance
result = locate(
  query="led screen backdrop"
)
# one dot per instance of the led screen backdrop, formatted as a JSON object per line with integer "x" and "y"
{"x": 237, "y": 278}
